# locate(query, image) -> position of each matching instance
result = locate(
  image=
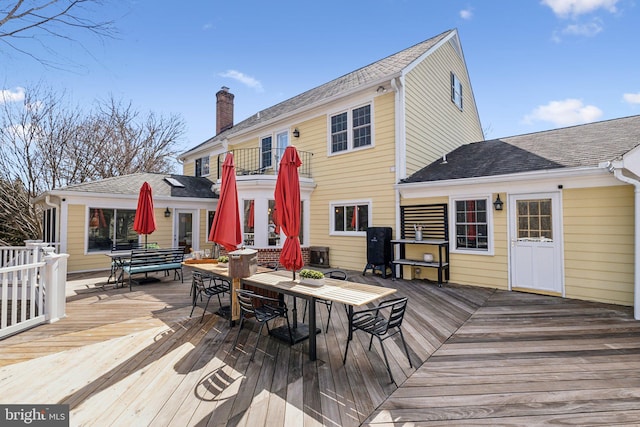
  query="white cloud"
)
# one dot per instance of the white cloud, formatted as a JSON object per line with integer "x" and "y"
{"x": 244, "y": 79}
{"x": 466, "y": 13}
{"x": 568, "y": 112}
{"x": 8, "y": 95}
{"x": 589, "y": 30}
{"x": 565, "y": 8}
{"x": 632, "y": 98}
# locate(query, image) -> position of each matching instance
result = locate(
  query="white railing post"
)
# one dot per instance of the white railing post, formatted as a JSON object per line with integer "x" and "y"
{"x": 55, "y": 282}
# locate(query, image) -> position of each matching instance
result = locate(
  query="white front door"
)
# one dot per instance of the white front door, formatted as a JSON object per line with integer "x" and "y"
{"x": 536, "y": 242}
{"x": 185, "y": 234}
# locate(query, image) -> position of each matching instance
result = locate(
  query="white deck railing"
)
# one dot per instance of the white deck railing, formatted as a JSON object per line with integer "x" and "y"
{"x": 32, "y": 287}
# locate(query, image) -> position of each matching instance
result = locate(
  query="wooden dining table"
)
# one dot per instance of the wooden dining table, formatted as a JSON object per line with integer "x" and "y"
{"x": 351, "y": 294}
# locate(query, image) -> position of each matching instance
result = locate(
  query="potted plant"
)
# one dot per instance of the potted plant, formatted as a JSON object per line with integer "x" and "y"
{"x": 311, "y": 277}
{"x": 223, "y": 260}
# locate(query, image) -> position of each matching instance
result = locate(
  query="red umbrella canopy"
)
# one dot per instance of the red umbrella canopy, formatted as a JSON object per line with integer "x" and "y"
{"x": 225, "y": 229}
{"x": 287, "y": 212}
{"x": 145, "y": 220}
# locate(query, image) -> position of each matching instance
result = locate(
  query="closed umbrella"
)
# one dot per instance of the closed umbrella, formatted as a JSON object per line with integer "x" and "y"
{"x": 287, "y": 219}
{"x": 287, "y": 209}
{"x": 225, "y": 229}
{"x": 145, "y": 220}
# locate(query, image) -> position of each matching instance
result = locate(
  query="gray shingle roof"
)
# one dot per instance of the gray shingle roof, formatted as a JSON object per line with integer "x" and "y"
{"x": 571, "y": 147}
{"x": 377, "y": 71}
{"x": 199, "y": 187}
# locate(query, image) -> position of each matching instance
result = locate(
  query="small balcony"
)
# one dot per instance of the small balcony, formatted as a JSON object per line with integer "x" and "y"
{"x": 254, "y": 161}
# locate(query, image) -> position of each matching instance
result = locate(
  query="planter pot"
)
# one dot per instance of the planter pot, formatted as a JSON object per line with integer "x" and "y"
{"x": 223, "y": 264}
{"x": 311, "y": 282}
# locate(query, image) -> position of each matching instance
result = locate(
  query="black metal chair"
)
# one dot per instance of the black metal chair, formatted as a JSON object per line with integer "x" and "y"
{"x": 334, "y": 274}
{"x": 204, "y": 284}
{"x": 383, "y": 321}
{"x": 262, "y": 309}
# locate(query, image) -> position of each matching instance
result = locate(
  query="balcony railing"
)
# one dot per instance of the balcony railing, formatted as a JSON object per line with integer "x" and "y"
{"x": 253, "y": 161}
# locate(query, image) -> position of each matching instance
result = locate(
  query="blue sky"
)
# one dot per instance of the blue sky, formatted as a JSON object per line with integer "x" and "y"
{"x": 534, "y": 65}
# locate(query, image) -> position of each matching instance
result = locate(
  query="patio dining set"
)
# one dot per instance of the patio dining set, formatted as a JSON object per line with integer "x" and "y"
{"x": 261, "y": 299}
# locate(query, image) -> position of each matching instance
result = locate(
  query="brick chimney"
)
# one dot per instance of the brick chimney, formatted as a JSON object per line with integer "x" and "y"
{"x": 224, "y": 110}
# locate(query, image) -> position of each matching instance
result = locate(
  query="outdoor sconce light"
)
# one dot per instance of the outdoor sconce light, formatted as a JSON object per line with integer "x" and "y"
{"x": 167, "y": 213}
{"x": 498, "y": 203}
{"x": 381, "y": 89}
{"x": 296, "y": 133}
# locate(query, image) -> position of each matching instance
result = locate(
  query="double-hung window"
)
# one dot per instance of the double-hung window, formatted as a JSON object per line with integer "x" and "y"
{"x": 472, "y": 224}
{"x": 349, "y": 217}
{"x": 202, "y": 166}
{"x": 456, "y": 91}
{"x": 351, "y": 129}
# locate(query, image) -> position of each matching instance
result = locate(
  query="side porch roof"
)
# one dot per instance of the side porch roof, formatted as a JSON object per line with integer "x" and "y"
{"x": 163, "y": 185}
{"x": 582, "y": 146}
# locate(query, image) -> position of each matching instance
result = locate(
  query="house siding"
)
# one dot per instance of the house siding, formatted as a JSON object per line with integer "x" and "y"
{"x": 77, "y": 236}
{"x": 466, "y": 269}
{"x": 189, "y": 167}
{"x": 434, "y": 124}
{"x": 599, "y": 244}
{"x": 365, "y": 174}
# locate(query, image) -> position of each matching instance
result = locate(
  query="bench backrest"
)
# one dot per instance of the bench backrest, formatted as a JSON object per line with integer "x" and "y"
{"x": 157, "y": 256}
{"x": 127, "y": 246}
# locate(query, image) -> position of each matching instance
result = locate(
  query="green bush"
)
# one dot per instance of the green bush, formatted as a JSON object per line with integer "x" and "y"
{"x": 311, "y": 274}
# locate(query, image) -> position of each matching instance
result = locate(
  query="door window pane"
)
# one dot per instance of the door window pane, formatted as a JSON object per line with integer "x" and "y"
{"x": 534, "y": 220}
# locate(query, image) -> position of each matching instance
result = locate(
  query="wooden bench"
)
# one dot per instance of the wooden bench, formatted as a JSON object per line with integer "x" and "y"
{"x": 154, "y": 260}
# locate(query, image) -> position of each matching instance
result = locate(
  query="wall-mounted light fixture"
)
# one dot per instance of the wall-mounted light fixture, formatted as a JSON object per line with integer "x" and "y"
{"x": 296, "y": 133}
{"x": 498, "y": 203}
{"x": 381, "y": 89}
{"x": 167, "y": 213}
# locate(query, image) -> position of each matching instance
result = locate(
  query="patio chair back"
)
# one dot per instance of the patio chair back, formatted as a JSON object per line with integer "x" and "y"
{"x": 263, "y": 309}
{"x": 207, "y": 285}
{"x": 382, "y": 322}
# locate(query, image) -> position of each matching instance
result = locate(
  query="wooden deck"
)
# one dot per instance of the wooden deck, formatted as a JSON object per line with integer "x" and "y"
{"x": 481, "y": 357}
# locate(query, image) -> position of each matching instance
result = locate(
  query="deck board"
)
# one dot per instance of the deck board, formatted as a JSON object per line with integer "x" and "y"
{"x": 480, "y": 356}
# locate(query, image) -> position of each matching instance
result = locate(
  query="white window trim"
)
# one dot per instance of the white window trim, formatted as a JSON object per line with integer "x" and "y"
{"x": 332, "y": 206}
{"x": 262, "y": 138}
{"x": 349, "y": 111}
{"x": 490, "y": 227}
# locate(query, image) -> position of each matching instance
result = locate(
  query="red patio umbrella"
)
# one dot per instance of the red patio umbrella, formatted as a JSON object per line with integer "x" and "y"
{"x": 287, "y": 211}
{"x": 225, "y": 229}
{"x": 145, "y": 220}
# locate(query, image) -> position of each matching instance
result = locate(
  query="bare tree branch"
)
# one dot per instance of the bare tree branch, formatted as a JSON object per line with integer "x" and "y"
{"x": 46, "y": 143}
{"x": 36, "y": 19}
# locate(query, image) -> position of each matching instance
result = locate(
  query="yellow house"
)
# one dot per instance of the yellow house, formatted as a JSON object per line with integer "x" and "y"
{"x": 88, "y": 220}
{"x": 552, "y": 212}
{"x": 357, "y": 135}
